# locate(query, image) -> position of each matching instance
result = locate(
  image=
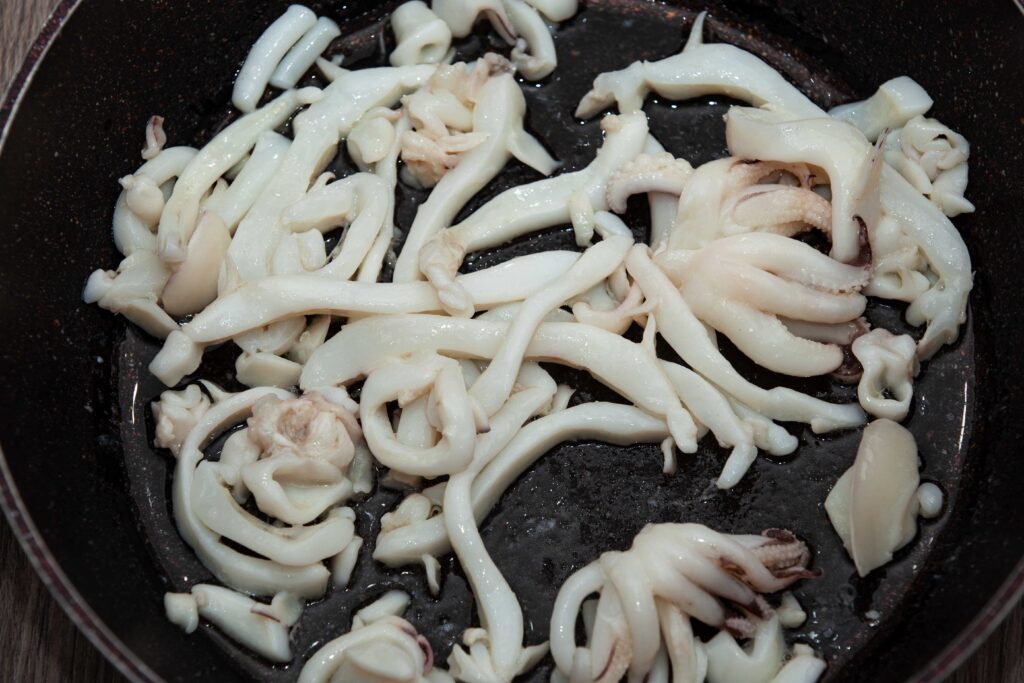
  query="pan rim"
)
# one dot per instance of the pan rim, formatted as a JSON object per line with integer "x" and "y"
{"x": 128, "y": 663}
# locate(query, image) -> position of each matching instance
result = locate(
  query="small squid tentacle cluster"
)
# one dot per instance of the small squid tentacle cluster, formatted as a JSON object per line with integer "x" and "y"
{"x": 647, "y": 595}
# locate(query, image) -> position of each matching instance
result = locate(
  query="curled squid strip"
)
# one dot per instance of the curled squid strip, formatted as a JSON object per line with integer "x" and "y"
{"x": 700, "y": 69}
{"x": 555, "y": 10}
{"x": 685, "y": 333}
{"x": 608, "y": 422}
{"x": 387, "y": 170}
{"x": 462, "y": 15}
{"x": 534, "y": 50}
{"x": 267, "y": 52}
{"x": 422, "y": 36}
{"x": 260, "y": 627}
{"x": 890, "y": 363}
{"x": 499, "y": 115}
{"x": 740, "y": 285}
{"x": 440, "y": 379}
{"x": 933, "y": 158}
{"x": 360, "y": 348}
{"x": 388, "y": 650}
{"x": 529, "y": 208}
{"x": 671, "y": 573}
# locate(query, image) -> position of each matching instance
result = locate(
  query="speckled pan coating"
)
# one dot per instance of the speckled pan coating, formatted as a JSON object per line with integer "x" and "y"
{"x": 85, "y": 485}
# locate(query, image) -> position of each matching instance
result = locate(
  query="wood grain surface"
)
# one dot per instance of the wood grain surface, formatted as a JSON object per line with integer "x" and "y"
{"x": 39, "y": 644}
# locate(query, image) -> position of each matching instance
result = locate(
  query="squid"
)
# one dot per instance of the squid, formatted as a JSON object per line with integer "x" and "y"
{"x": 178, "y": 219}
{"x": 739, "y": 285}
{"x": 134, "y": 289}
{"x": 201, "y": 496}
{"x": 317, "y": 131}
{"x": 673, "y": 572}
{"x": 890, "y": 364}
{"x": 421, "y": 36}
{"x": 933, "y": 158}
{"x": 498, "y": 115}
{"x": 260, "y": 627}
{"x": 275, "y": 301}
{"x": 360, "y": 348}
{"x": 232, "y": 204}
{"x": 689, "y": 338}
{"x": 896, "y": 102}
{"x": 925, "y": 230}
{"x": 835, "y": 146}
{"x": 421, "y": 534}
{"x": 735, "y": 196}
{"x": 265, "y": 54}
{"x": 700, "y": 69}
{"x": 304, "y": 53}
{"x": 176, "y": 413}
{"x": 874, "y": 504}
{"x": 529, "y": 208}
{"x": 384, "y": 649}
{"x": 359, "y": 202}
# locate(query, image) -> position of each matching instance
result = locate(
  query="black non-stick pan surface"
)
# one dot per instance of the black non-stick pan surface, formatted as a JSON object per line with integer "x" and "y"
{"x": 89, "y": 495}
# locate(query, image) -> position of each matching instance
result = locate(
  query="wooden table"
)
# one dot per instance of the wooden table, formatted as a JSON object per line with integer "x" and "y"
{"x": 39, "y": 644}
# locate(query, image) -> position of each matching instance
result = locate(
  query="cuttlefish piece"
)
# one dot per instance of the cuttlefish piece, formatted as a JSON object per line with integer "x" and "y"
{"x": 178, "y": 219}
{"x": 660, "y": 172}
{"x": 740, "y": 285}
{"x": 690, "y": 339}
{"x": 317, "y": 131}
{"x": 535, "y": 206}
{"x": 499, "y": 115}
{"x": 267, "y": 52}
{"x": 388, "y": 650}
{"x": 688, "y": 567}
{"x": 835, "y": 146}
{"x": 258, "y": 626}
{"x": 700, "y": 69}
{"x": 894, "y": 103}
{"x": 874, "y": 505}
{"x": 890, "y": 363}
{"x": 421, "y": 36}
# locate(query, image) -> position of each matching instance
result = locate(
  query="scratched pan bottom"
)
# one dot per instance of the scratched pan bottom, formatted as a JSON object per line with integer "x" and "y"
{"x": 585, "y": 498}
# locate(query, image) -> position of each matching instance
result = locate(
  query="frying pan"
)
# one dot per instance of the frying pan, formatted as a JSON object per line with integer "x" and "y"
{"x": 88, "y": 495}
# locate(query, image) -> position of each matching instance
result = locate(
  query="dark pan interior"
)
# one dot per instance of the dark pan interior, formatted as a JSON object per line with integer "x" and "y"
{"x": 77, "y": 427}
